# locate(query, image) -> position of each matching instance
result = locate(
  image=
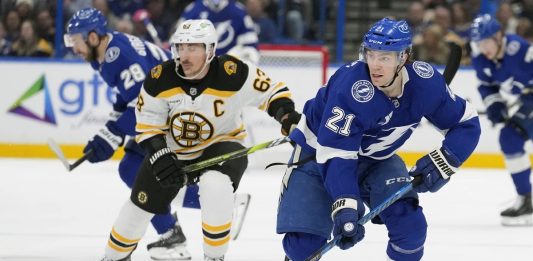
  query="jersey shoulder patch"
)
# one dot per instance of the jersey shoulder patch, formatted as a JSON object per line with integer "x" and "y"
{"x": 423, "y": 69}
{"x": 156, "y": 71}
{"x": 362, "y": 91}
{"x": 111, "y": 54}
{"x": 512, "y": 47}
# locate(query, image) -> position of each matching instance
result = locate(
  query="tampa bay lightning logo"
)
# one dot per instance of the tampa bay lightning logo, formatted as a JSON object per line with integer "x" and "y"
{"x": 112, "y": 54}
{"x": 403, "y": 27}
{"x": 513, "y": 47}
{"x": 362, "y": 91}
{"x": 84, "y": 14}
{"x": 423, "y": 69}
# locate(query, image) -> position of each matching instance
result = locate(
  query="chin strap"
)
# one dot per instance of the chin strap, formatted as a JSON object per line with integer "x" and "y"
{"x": 393, "y": 78}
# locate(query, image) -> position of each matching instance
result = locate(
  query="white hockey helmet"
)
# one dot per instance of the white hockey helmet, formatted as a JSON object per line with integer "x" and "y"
{"x": 195, "y": 31}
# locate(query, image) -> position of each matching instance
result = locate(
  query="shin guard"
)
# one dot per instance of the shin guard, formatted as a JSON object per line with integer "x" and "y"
{"x": 407, "y": 230}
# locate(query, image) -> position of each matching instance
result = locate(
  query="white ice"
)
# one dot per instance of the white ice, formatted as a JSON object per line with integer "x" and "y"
{"x": 49, "y": 214}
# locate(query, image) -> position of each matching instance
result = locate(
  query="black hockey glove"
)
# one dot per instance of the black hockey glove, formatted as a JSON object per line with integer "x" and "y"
{"x": 289, "y": 122}
{"x": 167, "y": 169}
{"x": 497, "y": 112}
{"x": 435, "y": 169}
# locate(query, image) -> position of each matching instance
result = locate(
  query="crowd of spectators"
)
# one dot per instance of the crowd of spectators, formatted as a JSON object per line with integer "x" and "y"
{"x": 436, "y": 22}
{"x": 27, "y": 27}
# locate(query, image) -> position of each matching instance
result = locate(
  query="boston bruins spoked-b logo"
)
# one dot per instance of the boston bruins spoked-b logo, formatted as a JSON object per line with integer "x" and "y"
{"x": 190, "y": 128}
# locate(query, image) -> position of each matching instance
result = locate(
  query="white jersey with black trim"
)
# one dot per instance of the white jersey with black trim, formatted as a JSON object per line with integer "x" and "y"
{"x": 194, "y": 115}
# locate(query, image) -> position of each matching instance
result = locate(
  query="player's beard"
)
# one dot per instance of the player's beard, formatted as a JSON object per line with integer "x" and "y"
{"x": 92, "y": 54}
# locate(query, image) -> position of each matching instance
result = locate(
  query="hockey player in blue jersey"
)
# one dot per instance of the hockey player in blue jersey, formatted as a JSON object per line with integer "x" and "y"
{"x": 504, "y": 64}
{"x": 346, "y": 143}
{"x": 235, "y": 28}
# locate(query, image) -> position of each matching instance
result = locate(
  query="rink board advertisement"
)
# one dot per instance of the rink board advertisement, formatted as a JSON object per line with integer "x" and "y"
{"x": 69, "y": 102}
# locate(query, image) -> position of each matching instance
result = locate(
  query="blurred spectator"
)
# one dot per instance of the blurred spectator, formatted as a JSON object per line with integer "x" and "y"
{"x": 432, "y": 48}
{"x": 443, "y": 19}
{"x": 298, "y": 15}
{"x": 461, "y": 21}
{"x": 29, "y": 43}
{"x": 125, "y": 26}
{"x": 162, "y": 18}
{"x": 123, "y": 8}
{"x": 46, "y": 26}
{"x": 264, "y": 26}
{"x": 25, "y": 9}
{"x": 415, "y": 17}
{"x": 102, "y": 5}
{"x": 524, "y": 25}
{"x": 12, "y": 23}
{"x": 527, "y": 9}
{"x": 5, "y": 45}
{"x": 507, "y": 18}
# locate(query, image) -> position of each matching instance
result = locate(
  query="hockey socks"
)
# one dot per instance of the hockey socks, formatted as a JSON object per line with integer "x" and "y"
{"x": 128, "y": 229}
{"x": 216, "y": 199}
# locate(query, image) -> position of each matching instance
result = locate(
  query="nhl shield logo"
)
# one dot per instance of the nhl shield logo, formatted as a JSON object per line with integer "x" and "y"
{"x": 362, "y": 91}
{"x": 186, "y": 26}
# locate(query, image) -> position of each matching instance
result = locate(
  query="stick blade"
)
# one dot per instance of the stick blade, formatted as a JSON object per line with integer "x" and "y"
{"x": 54, "y": 147}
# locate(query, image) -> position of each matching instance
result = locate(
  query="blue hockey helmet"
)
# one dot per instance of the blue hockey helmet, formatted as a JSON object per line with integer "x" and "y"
{"x": 483, "y": 27}
{"x": 388, "y": 35}
{"x": 85, "y": 21}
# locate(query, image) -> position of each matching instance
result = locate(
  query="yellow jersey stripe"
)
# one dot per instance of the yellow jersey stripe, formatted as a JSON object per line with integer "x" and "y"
{"x": 171, "y": 92}
{"x": 142, "y": 126}
{"x": 219, "y": 93}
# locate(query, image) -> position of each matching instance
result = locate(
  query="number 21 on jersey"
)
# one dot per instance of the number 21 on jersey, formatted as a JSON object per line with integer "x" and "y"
{"x": 339, "y": 115}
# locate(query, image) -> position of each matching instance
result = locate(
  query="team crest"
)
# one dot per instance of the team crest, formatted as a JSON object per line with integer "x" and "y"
{"x": 423, "y": 69}
{"x": 142, "y": 197}
{"x": 156, "y": 71}
{"x": 362, "y": 91}
{"x": 186, "y": 26}
{"x": 112, "y": 54}
{"x": 190, "y": 129}
{"x": 403, "y": 27}
{"x": 230, "y": 67}
{"x": 513, "y": 47}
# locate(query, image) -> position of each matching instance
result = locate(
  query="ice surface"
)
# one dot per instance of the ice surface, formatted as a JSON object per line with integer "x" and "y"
{"x": 47, "y": 213}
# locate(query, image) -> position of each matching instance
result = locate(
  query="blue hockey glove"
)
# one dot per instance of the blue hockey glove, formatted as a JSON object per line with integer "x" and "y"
{"x": 345, "y": 214}
{"x": 104, "y": 143}
{"x": 167, "y": 168}
{"x": 497, "y": 112}
{"x": 436, "y": 169}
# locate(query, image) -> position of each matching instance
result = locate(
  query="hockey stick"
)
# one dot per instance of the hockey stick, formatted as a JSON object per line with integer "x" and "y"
{"x": 454, "y": 60}
{"x": 142, "y": 15}
{"x": 61, "y": 156}
{"x": 372, "y": 214}
{"x": 234, "y": 154}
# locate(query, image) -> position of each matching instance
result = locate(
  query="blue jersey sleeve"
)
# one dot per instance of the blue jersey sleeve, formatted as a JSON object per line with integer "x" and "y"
{"x": 452, "y": 115}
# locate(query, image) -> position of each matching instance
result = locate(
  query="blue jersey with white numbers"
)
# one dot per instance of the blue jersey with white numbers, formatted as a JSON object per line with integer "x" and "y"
{"x": 127, "y": 61}
{"x": 234, "y": 26}
{"x": 512, "y": 74}
{"x": 350, "y": 118}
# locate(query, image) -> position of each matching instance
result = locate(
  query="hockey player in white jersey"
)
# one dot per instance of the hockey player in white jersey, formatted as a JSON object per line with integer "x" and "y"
{"x": 189, "y": 110}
